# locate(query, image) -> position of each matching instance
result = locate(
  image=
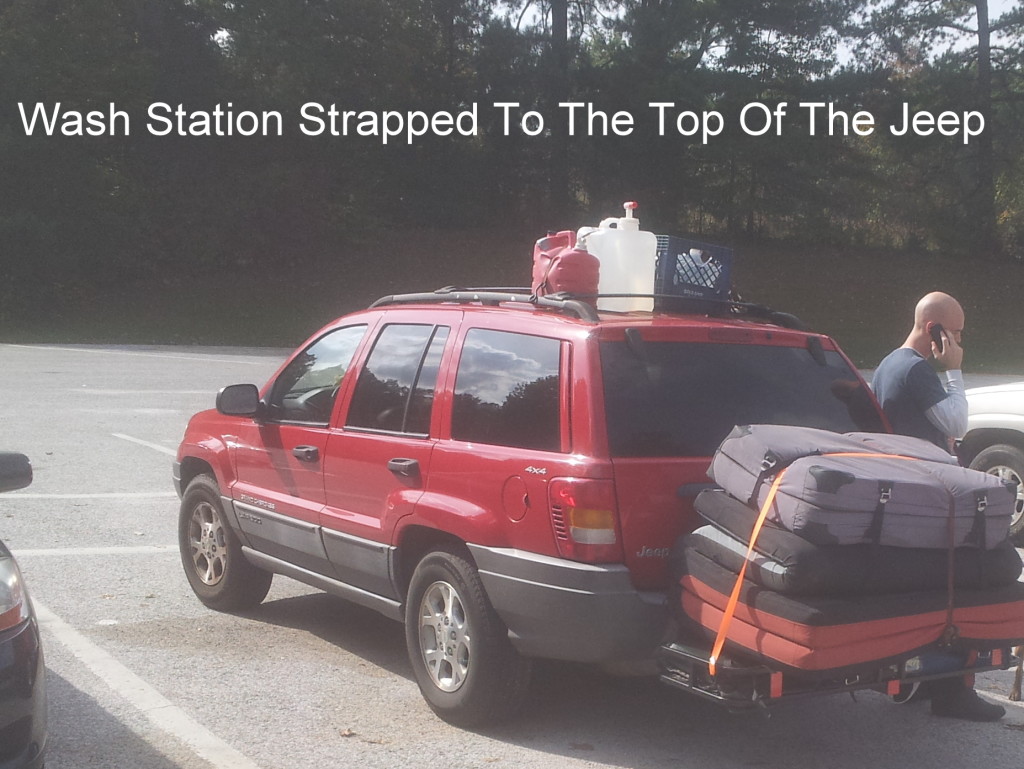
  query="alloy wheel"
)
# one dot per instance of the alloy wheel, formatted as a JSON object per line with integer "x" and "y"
{"x": 208, "y": 543}
{"x": 445, "y": 639}
{"x": 1006, "y": 473}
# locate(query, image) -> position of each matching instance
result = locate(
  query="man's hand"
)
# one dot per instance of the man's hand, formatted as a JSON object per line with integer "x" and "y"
{"x": 950, "y": 356}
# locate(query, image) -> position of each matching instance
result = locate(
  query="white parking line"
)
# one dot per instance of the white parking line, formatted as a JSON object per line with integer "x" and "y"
{"x": 99, "y": 495}
{"x": 93, "y": 391}
{"x": 158, "y": 710}
{"x": 147, "y": 444}
{"x": 139, "y": 353}
{"x": 74, "y": 551}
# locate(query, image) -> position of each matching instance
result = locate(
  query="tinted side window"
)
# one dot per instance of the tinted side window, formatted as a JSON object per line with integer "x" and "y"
{"x": 421, "y": 400}
{"x": 305, "y": 390}
{"x": 507, "y": 391}
{"x": 682, "y": 399}
{"x": 395, "y": 390}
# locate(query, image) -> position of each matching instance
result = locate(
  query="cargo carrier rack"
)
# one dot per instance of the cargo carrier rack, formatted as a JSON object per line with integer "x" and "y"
{"x": 583, "y": 306}
{"x": 742, "y": 686}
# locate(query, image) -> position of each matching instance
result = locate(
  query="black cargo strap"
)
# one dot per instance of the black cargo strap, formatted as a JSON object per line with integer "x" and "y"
{"x": 976, "y": 536}
{"x": 978, "y": 533}
{"x": 544, "y": 284}
{"x": 951, "y": 632}
{"x": 770, "y": 465}
{"x": 874, "y": 532}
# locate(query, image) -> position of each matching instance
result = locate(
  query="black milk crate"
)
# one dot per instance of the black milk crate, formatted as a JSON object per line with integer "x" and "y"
{"x": 691, "y": 268}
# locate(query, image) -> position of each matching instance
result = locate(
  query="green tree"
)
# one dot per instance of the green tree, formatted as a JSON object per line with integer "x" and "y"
{"x": 79, "y": 210}
{"x": 720, "y": 56}
{"x": 955, "y": 36}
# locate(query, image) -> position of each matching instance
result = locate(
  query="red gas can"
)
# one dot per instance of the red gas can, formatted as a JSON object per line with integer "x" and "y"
{"x": 559, "y": 266}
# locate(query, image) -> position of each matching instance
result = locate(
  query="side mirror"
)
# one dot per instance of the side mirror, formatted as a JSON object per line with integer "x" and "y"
{"x": 239, "y": 400}
{"x": 15, "y": 471}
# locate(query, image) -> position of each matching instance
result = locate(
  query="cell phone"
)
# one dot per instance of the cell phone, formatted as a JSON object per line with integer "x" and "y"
{"x": 936, "y": 334}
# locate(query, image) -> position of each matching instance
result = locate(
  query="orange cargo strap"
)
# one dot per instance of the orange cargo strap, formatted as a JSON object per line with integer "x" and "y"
{"x": 730, "y": 607}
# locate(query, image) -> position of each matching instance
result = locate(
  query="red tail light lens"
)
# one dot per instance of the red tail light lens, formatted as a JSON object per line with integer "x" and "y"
{"x": 585, "y": 519}
{"x": 13, "y": 603}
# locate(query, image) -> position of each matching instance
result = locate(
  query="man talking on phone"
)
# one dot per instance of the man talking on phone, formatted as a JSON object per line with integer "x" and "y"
{"x": 915, "y": 400}
{"x": 925, "y": 399}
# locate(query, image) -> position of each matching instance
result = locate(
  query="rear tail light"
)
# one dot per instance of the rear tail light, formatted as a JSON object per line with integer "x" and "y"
{"x": 13, "y": 602}
{"x": 585, "y": 519}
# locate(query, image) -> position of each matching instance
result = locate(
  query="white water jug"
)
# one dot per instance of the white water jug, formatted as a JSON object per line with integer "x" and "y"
{"x": 628, "y": 258}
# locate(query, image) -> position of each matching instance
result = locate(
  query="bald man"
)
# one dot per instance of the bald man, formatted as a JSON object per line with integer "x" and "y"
{"x": 918, "y": 402}
{"x": 914, "y": 398}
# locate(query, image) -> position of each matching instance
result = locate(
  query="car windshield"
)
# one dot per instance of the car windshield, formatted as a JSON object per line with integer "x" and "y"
{"x": 682, "y": 399}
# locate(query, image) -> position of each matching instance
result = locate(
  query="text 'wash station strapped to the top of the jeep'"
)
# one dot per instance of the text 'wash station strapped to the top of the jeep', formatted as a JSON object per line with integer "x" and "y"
{"x": 504, "y": 470}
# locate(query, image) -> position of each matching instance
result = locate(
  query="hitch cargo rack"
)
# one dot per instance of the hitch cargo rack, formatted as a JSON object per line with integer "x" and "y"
{"x": 579, "y": 305}
{"x": 741, "y": 686}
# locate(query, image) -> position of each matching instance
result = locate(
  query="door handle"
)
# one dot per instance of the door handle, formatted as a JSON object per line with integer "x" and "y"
{"x": 405, "y": 468}
{"x": 306, "y": 453}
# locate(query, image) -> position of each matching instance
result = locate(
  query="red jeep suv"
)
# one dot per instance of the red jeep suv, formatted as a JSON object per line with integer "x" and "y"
{"x": 503, "y": 473}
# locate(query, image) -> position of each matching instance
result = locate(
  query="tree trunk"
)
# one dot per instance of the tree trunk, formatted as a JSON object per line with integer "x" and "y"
{"x": 559, "y": 180}
{"x": 985, "y": 193}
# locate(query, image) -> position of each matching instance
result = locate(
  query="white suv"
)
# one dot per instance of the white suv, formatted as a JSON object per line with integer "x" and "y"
{"x": 995, "y": 440}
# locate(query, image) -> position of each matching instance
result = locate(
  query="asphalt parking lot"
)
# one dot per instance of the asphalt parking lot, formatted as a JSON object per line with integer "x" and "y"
{"x": 141, "y": 675}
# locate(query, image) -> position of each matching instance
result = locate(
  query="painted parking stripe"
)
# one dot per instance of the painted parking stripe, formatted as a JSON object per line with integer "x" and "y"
{"x": 147, "y": 444}
{"x": 99, "y": 495}
{"x": 144, "y": 354}
{"x": 158, "y": 710}
{"x": 77, "y": 551}
{"x": 94, "y": 391}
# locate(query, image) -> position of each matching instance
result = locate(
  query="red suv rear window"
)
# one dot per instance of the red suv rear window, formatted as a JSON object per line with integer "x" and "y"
{"x": 682, "y": 398}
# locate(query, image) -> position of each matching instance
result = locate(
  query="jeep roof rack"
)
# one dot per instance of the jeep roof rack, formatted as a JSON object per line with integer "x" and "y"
{"x": 577, "y": 305}
{"x": 566, "y": 303}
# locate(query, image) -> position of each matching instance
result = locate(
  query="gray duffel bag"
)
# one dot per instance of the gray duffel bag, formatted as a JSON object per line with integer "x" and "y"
{"x": 835, "y": 490}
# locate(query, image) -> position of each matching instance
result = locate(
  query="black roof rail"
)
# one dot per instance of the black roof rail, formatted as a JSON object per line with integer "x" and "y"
{"x": 566, "y": 303}
{"x": 717, "y": 308}
{"x": 578, "y": 305}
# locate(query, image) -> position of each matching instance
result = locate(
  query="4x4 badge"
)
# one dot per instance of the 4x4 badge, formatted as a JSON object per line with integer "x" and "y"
{"x": 537, "y": 470}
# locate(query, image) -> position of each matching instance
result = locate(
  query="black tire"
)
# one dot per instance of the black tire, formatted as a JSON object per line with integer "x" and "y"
{"x": 472, "y": 676}
{"x": 1006, "y": 462}
{"x": 211, "y": 554}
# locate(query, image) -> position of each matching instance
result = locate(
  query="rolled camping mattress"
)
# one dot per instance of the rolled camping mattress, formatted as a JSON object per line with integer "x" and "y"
{"x": 788, "y": 563}
{"x": 822, "y": 634}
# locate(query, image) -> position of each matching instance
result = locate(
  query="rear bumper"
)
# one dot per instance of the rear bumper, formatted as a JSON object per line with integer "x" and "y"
{"x": 559, "y": 609}
{"x": 22, "y": 698}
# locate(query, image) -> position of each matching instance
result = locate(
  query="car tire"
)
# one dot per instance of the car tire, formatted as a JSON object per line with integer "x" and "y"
{"x": 1007, "y": 463}
{"x": 211, "y": 554}
{"x": 466, "y": 668}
